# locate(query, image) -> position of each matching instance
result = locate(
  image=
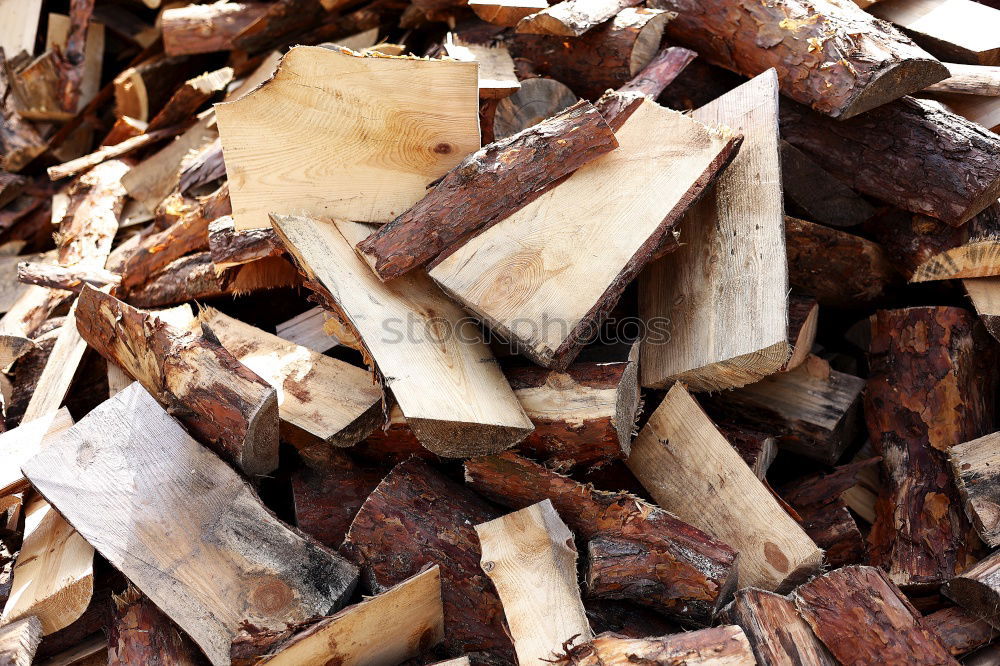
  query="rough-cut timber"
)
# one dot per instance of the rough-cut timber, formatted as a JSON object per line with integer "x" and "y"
{"x": 496, "y": 69}
{"x": 67, "y": 279}
{"x": 21, "y": 443}
{"x": 718, "y": 646}
{"x": 572, "y": 18}
{"x": 960, "y": 631}
{"x": 660, "y": 71}
{"x": 863, "y": 618}
{"x": 186, "y": 279}
{"x": 229, "y": 406}
{"x": 187, "y": 99}
{"x": 969, "y": 80}
{"x": 829, "y": 54}
{"x": 777, "y": 633}
{"x": 956, "y": 30}
{"x": 758, "y": 449}
{"x": 724, "y": 293}
{"x": 139, "y": 633}
{"x": 206, "y": 28}
{"x": 530, "y": 557}
{"x": 19, "y": 640}
{"x": 523, "y": 277}
{"x": 19, "y": 139}
{"x": 605, "y": 57}
{"x": 183, "y": 526}
{"x": 680, "y": 455}
{"x": 803, "y": 320}
{"x": 506, "y": 12}
{"x": 487, "y": 186}
{"x": 694, "y": 573}
{"x": 811, "y": 191}
{"x": 835, "y": 267}
{"x": 230, "y": 247}
{"x": 932, "y": 385}
{"x": 417, "y": 517}
{"x": 910, "y": 153}
{"x": 976, "y": 468}
{"x": 977, "y": 589}
{"x": 328, "y": 493}
{"x": 443, "y": 376}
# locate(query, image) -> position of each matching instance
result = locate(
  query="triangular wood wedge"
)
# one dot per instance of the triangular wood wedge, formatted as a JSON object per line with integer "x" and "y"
{"x": 429, "y": 353}
{"x": 546, "y": 276}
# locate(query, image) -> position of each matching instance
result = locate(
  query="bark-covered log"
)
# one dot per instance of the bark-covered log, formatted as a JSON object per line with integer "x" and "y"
{"x": 777, "y": 633}
{"x": 141, "y": 91}
{"x": 487, "y": 186}
{"x": 417, "y": 517}
{"x": 139, "y": 633}
{"x": 20, "y": 140}
{"x": 910, "y": 153}
{"x": 281, "y": 21}
{"x": 699, "y": 571}
{"x": 829, "y": 54}
{"x": 758, "y": 449}
{"x": 572, "y": 18}
{"x": 818, "y": 195}
{"x": 716, "y": 646}
{"x": 203, "y": 167}
{"x": 506, "y": 12}
{"x": 863, "y": 618}
{"x": 976, "y": 469}
{"x": 189, "y": 97}
{"x": 329, "y": 494}
{"x": 927, "y": 391}
{"x": 959, "y": 630}
{"x": 67, "y": 279}
{"x": 230, "y": 247}
{"x": 205, "y": 28}
{"x": 186, "y": 279}
{"x": 231, "y": 408}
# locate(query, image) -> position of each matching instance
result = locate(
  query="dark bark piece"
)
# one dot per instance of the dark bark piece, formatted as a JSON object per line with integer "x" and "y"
{"x": 829, "y": 54}
{"x": 206, "y": 28}
{"x": 837, "y": 268}
{"x": 974, "y": 465}
{"x": 203, "y": 168}
{"x": 572, "y": 18}
{"x": 487, "y": 186}
{"x": 231, "y": 247}
{"x": 186, "y": 279}
{"x": 139, "y": 633}
{"x": 977, "y": 590}
{"x": 142, "y": 91}
{"x": 417, "y": 517}
{"x": 627, "y": 619}
{"x": 187, "y": 99}
{"x": 803, "y": 318}
{"x": 660, "y": 72}
{"x": 718, "y": 645}
{"x": 818, "y": 195}
{"x": 71, "y": 60}
{"x": 11, "y": 185}
{"x": 281, "y": 21}
{"x": 67, "y": 279}
{"x": 758, "y": 449}
{"x": 777, "y": 633}
{"x": 910, "y": 153}
{"x": 536, "y": 100}
{"x": 863, "y": 618}
{"x": 19, "y": 138}
{"x": 959, "y": 631}
{"x": 230, "y": 407}
{"x": 606, "y": 57}
{"x": 932, "y": 385}
{"x": 698, "y": 571}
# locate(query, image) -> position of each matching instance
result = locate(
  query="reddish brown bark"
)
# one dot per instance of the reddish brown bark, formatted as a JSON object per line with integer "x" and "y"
{"x": 718, "y": 645}
{"x": 959, "y": 631}
{"x": 660, "y": 72}
{"x": 139, "y": 633}
{"x": 627, "y": 619}
{"x": 932, "y": 385}
{"x": 571, "y": 18}
{"x": 206, "y": 28}
{"x": 230, "y": 247}
{"x": 186, "y": 279}
{"x": 757, "y": 449}
{"x": 186, "y": 100}
{"x": 281, "y": 21}
{"x": 67, "y": 279}
{"x": 203, "y": 168}
{"x": 777, "y": 633}
{"x": 697, "y": 571}
{"x": 71, "y": 60}
{"x": 144, "y": 89}
{"x": 417, "y": 517}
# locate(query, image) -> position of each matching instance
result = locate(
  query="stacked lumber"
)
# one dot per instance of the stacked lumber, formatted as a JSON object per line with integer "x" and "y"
{"x": 499, "y": 332}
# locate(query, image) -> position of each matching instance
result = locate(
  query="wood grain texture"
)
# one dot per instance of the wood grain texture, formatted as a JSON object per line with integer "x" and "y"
{"x": 184, "y": 527}
{"x": 523, "y": 277}
{"x": 718, "y": 646}
{"x": 690, "y": 469}
{"x": 969, "y": 80}
{"x": 983, "y": 111}
{"x": 777, "y": 633}
{"x": 206, "y": 28}
{"x": 307, "y": 330}
{"x": 230, "y": 247}
{"x": 960, "y": 631}
{"x": 572, "y": 18}
{"x": 973, "y": 464}
{"x": 531, "y": 559}
{"x": 425, "y": 350}
{"x": 504, "y": 12}
{"x": 328, "y": 491}
{"x": 419, "y": 118}
{"x": 956, "y": 30}
{"x": 496, "y": 69}
{"x": 985, "y": 296}
{"x": 60, "y": 368}
{"x": 21, "y": 443}
{"x": 19, "y": 640}
{"x": 977, "y": 590}
{"x": 724, "y": 292}
{"x": 536, "y": 100}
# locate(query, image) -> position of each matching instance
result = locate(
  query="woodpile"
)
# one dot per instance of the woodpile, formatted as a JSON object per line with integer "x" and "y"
{"x": 496, "y": 332}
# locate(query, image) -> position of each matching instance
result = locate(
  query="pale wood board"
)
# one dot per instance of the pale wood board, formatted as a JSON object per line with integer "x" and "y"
{"x": 10, "y": 288}
{"x": 307, "y": 329}
{"x": 969, "y": 28}
{"x": 428, "y": 353}
{"x": 19, "y": 26}
{"x": 496, "y": 67}
{"x": 93, "y": 53}
{"x": 19, "y": 640}
{"x": 59, "y": 370}
{"x": 724, "y": 294}
{"x": 263, "y": 72}
{"x": 183, "y": 526}
{"x": 530, "y": 557}
{"x": 390, "y": 126}
{"x": 117, "y": 379}
{"x": 21, "y": 443}
{"x": 690, "y": 469}
{"x": 506, "y": 12}
{"x": 53, "y": 573}
{"x": 384, "y": 630}
{"x": 536, "y": 276}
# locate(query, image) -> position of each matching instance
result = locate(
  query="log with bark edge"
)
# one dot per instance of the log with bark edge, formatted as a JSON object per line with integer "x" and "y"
{"x": 837, "y": 268}
{"x": 969, "y": 80}
{"x": 537, "y": 99}
{"x": 496, "y": 69}
{"x": 803, "y": 320}
{"x": 572, "y": 18}
{"x": 205, "y": 28}
{"x": 486, "y": 187}
{"x": 729, "y": 273}
{"x": 66, "y": 279}
{"x": 693, "y": 572}
{"x": 417, "y": 517}
{"x": 927, "y": 391}
{"x": 190, "y": 97}
{"x": 716, "y": 646}
{"x": 777, "y": 633}
{"x": 186, "y": 279}
{"x": 758, "y": 449}
{"x": 231, "y": 247}
{"x": 20, "y": 140}
{"x": 229, "y": 406}
{"x": 956, "y": 30}
{"x": 60, "y": 368}
{"x": 142, "y": 91}
{"x": 105, "y": 153}
{"x": 973, "y": 466}
{"x": 530, "y": 558}
{"x": 522, "y": 277}
{"x": 139, "y": 633}
{"x": 329, "y": 492}
{"x": 441, "y": 373}
{"x": 884, "y": 153}
{"x": 829, "y": 54}
{"x": 959, "y": 631}
{"x": 183, "y": 526}
{"x": 678, "y": 457}
{"x": 605, "y": 57}
{"x": 506, "y": 12}
{"x": 19, "y": 640}
{"x": 818, "y": 195}
{"x": 863, "y": 618}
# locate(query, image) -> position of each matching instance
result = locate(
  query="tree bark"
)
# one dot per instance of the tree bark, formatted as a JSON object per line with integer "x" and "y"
{"x": 66, "y": 279}
{"x": 327, "y": 497}
{"x": 777, "y": 633}
{"x": 809, "y": 188}
{"x": 189, "y": 97}
{"x": 538, "y": 99}
{"x": 140, "y": 633}
{"x": 206, "y": 28}
{"x": 977, "y": 590}
{"x": 718, "y": 645}
{"x": 186, "y": 279}
{"x": 19, "y": 138}
{"x": 572, "y": 18}
{"x": 959, "y": 631}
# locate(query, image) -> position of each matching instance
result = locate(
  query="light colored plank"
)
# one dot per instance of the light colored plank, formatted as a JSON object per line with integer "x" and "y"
{"x": 506, "y": 12}
{"x": 537, "y": 276}
{"x": 429, "y": 354}
{"x": 19, "y": 26}
{"x": 385, "y": 630}
{"x": 183, "y": 526}
{"x": 954, "y": 29}
{"x": 530, "y": 557}
{"x": 969, "y": 80}
{"x": 21, "y": 443}
{"x": 117, "y": 379}
{"x": 19, "y": 640}
{"x": 93, "y": 53}
{"x": 690, "y": 469}
{"x": 391, "y": 126}
{"x": 307, "y": 329}
{"x": 54, "y": 572}
{"x": 724, "y": 294}
{"x": 496, "y": 67}
{"x": 59, "y": 370}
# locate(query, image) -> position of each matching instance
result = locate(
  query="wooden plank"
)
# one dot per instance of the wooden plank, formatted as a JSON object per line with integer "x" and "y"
{"x": 183, "y": 526}
{"x": 23, "y": 442}
{"x": 985, "y": 296}
{"x": 690, "y": 469}
{"x": 278, "y": 163}
{"x": 307, "y": 329}
{"x": 957, "y": 30}
{"x": 54, "y": 572}
{"x": 974, "y": 464}
{"x": 530, "y": 557}
{"x": 19, "y": 26}
{"x": 496, "y": 68}
{"x": 725, "y": 291}
{"x": 523, "y": 276}
{"x": 59, "y": 370}
{"x": 442, "y": 374}
{"x": 19, "y": 640}
{"x": 969, "y": 80}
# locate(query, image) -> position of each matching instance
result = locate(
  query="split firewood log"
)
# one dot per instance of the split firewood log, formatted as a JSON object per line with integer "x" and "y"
{"x": 139, "y": 633}
{"x": 718, "y": 645}
{"x": 777, "y": 633}
{"x": 957, "y": 30}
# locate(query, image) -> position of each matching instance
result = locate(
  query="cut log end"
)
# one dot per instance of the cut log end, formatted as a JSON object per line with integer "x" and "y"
{"x": 451, "y": 439}
{"x": 732, "y": 373}
{"x": 978, "y": 259}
